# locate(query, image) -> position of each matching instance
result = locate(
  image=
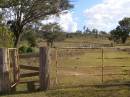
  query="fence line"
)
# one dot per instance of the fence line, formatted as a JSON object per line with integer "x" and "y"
{"x": 103, "y": 67}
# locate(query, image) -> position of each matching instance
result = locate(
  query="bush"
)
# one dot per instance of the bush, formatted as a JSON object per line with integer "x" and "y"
{"x": 23, "y": 49}
{"x": 6, "y": 37}
{"x": 29, "y": 50}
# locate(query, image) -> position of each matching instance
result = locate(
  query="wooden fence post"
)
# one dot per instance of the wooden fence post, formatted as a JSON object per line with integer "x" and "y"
{"x": 4, "y": 71}
{"x": 44, "y": 68}
{"x": 15, "y": 67}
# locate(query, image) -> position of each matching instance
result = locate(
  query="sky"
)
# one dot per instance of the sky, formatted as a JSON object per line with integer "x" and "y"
{"x": 79, "y": 11}
{"x": 94, "y": 14}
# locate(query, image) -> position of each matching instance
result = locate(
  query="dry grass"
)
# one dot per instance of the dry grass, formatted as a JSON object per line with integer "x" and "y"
{"x": 81, "y": 68}
{"x": 84, "y": 67}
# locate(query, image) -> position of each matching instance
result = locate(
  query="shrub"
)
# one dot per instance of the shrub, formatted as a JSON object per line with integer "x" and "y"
{"x": 29, "y": 50}
{"x": 23, "y": 49}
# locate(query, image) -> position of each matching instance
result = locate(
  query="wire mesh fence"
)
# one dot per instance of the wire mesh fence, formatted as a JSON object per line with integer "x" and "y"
{"x": 74, "y": 67}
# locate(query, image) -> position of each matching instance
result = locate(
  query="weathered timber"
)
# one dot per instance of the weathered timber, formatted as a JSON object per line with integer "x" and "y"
{"x": 31, "y": 74}
{"x": 28, "y": 67}
{"x": 23, "y": 82}
{"x": 4, "y": 71}
{"x": 29, "y": 55}
{"x": 44, "y": 68}
{"x": 14, "y": 57}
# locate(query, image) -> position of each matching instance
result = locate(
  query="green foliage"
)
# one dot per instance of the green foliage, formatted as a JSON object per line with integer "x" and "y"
{"x": 31, "y": 38}
{"x": 6, "y": 37}
{"x": 25, "y": 49}
{"x": 95, "y": 32}
{"x": 23, "y": 12}
{"x": 52, "y": 33}
{"x": 121, "y": 33}
{"x": 29, "y": 50}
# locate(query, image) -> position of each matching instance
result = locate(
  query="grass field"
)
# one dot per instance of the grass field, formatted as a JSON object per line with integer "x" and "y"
{"x": 121, "y": 91}
{"x": 80, "y": 68}
{"x": 83, "y": 67}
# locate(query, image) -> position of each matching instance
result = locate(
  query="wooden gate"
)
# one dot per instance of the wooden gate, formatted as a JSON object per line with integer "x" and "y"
{"x": 36, "y": 72}
{"x": 14, "y": 67}
{"x": 11, "y": 67}
{"x": 29, "y": 70}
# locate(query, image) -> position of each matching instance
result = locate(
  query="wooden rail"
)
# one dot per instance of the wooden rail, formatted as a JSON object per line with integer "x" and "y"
{"x": 77, "y": 48}
{"x": 32, "y": 55}
{"x": 28, "y": 67}
{"x": 31, "y": 74}
{"x": 88, "y": 48}
{"x": 23, "y": 82}
{"x": 61, "y": 67}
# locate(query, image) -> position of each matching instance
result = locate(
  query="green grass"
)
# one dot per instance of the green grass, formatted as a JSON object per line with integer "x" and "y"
{"x": 76, "y": 69}
{"x": 121, "y": 91}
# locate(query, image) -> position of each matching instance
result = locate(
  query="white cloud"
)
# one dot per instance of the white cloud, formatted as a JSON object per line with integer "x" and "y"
{"x": 66, "y": 21}
{"x": 105, "y": 16}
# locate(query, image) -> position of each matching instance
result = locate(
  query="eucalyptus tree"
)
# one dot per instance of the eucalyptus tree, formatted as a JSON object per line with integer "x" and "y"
{"x": 19, "y": 13}
{"x": 121, "y": 33}
{"x": 52, "y": 32}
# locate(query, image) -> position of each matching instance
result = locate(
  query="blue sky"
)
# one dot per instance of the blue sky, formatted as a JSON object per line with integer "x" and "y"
{"x": 79, "y": 7}
{"x": 97, "y": 14}
{"x": 103, "y": 15}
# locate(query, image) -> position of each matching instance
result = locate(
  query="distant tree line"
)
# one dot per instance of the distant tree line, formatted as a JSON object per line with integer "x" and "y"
{"x": 88, "y": 33}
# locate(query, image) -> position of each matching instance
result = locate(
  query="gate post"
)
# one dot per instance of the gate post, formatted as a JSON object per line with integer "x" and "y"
{"x": 4, "y": 71}
{"x": 15, "y": 68}
{"x": 44, "y": 68}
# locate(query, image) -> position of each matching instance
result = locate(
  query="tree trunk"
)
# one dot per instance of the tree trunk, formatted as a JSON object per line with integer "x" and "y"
{"x": 18, "y": 35}
{"x": 17, "y": 40}
{"x": 51, "y": 44}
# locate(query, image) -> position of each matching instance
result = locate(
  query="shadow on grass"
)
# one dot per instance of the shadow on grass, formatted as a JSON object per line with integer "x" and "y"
{"x": 19, "y": 92}
{"x": 95, "y": 91}
{"x": 113, "y": 90}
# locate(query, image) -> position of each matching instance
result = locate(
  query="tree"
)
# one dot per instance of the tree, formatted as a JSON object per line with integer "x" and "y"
{"x": 78, "y": 33}
{"x": 31, "y": 38}
{"x": 6, "y": 37}
{"x": 94, "y": 33}
{"x": 104, "y": 34}
{"x": 19, "y": 13}
{"x": 30, "y": 34}
{"x": 121, "y": 33}
{"x": 115, "y": 35}
{"x": 125, "y": 24}
{"x": 52, "y": 32}
{"x": 86, "y": 30}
